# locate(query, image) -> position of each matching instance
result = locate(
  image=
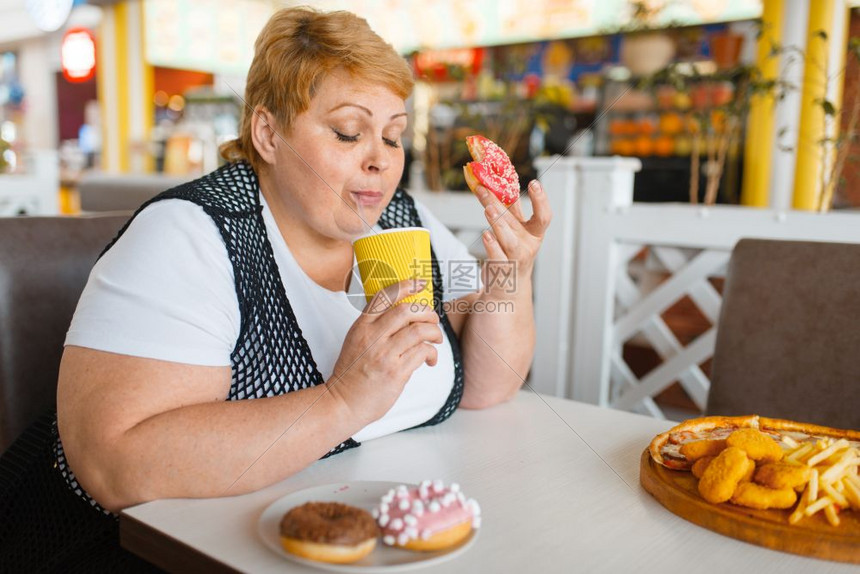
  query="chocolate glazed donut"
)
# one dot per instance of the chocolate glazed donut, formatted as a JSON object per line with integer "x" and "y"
{"x": 329, "y": 532}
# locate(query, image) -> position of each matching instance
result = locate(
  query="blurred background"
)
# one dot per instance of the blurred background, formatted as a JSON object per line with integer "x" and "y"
{"x": 142, "y": 92}
{"x": 104, "y": 103}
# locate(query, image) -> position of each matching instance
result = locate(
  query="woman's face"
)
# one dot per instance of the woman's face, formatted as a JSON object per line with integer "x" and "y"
{"x": 339, "y": 164}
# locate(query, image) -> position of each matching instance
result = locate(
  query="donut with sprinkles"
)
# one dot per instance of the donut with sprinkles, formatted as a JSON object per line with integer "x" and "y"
{"x": 426, "y": 518}
{"x": 491, "y": 168}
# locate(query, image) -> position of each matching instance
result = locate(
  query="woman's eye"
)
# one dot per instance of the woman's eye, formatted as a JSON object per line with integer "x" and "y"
{"x": 391, "y": 143}
{"x": 344, "y": 137}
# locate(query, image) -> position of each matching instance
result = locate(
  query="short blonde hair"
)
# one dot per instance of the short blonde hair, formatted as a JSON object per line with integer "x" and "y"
{"x": 295, "y": 50}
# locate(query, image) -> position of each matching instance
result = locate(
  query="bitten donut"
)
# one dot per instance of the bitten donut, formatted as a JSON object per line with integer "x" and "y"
{"x": 492, "y": 168}
{"x": 426, "y": 518}
{"x": 329, "y": 532}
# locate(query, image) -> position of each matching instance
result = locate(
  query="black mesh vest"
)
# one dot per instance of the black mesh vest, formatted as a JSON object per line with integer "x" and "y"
{"x": 271, "y": 357}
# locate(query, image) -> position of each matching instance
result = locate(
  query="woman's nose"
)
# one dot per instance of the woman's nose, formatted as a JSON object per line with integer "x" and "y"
{"x": 377, "y": 157}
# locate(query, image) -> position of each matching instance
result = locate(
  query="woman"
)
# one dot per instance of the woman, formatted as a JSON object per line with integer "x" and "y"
{"x": 235, "y": 286}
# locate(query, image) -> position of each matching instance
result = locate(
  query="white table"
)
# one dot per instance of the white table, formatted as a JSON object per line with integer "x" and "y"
{"x": 558, "y": 484}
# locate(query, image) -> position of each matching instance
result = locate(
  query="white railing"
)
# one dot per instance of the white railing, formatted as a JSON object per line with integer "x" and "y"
{"x": 609, "y": 268}
{"x": 617, "y": 300}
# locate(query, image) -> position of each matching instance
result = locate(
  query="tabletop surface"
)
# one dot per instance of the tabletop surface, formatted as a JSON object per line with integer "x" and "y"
{"x": 557, "y": 481}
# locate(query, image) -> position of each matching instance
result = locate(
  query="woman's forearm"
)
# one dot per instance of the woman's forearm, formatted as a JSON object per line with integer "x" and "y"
{"x": 213, "y": 449}
{"x": 231, "y": 447}
{"x": 497, "y": 342}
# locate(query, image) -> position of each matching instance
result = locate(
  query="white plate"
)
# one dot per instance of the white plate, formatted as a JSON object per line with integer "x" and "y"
{"x": 363, "y": 494}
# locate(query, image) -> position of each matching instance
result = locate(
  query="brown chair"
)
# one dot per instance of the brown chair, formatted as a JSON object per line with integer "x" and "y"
{"x": 44, "y": 265}
{"x": 789, "y": 333}
{"x": 119, "y": 192}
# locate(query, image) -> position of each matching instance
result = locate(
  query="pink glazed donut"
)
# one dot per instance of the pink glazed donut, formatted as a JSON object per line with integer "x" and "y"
{"x": 426, "y": 518}
{"x": 492, "y": 168}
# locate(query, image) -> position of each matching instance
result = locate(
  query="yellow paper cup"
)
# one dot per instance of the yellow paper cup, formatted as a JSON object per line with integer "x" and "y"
{"x": 393, "y": 255}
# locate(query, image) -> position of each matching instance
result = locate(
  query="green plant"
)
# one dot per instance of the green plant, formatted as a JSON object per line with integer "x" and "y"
{"x": 840, "y": 144}
{"x": 642, "y": 16}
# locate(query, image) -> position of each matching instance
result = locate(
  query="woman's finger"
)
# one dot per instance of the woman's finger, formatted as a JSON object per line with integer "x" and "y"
{"x": 505, "y": 235}
{"x": 398, "y": 317}
{"x": 516, "y": 208}
{"x": 412, "y": 335}
{"x": 494, "y": 250}
{"x": 421, "y": 353}
{"x": 488, "y": 199}
{"x": 542, "y": 212}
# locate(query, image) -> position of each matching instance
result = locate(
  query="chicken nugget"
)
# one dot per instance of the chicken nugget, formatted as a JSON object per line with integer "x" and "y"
{"x": 750, "y": 471}
{"x": 722, "y": 476}
{"x": 701, "y": 448}
{"x": 757, "y": 445}
{"x": 780, "y": 475}
{"x": 700, "y": 465}
{"x": 754, "y": 495}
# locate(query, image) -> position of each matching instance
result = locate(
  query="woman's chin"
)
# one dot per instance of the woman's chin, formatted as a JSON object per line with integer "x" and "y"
{"x": 358, "y": 228}
{"x": 362, "y": 222}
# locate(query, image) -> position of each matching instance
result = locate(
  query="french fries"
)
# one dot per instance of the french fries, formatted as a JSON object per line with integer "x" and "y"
{"x": 798, "y": 453}
{"x": 788, "y": 441}
{"x": 828, "y": 450}
{"x": 833, "y": 485}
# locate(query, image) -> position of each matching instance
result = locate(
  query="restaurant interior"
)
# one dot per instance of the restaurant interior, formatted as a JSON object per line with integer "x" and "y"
{"x": 700, "y": 159}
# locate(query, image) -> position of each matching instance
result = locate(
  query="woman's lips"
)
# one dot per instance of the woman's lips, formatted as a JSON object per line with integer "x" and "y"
{"x": 367, "y": 198}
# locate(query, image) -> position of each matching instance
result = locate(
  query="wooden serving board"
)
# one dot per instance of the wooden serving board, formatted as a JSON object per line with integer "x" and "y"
{"x": 677, "y": 490}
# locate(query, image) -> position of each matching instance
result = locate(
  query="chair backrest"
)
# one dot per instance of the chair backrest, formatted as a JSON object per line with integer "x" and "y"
{"x": 789, "y": 333}
{"x": 100, "y": 192}
{"x": 44, "y": 265}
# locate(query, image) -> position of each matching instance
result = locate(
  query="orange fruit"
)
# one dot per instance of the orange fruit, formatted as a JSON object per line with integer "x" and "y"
{"x": 646, "y": 126}
{"x": 644, "y": 146}
{"x": 628, "y": 127}
{"x": 664, "y": 146}
{"x": 625, "y": 147}
{"x": 671, "y": 123}
{"x": 718, "y": 120}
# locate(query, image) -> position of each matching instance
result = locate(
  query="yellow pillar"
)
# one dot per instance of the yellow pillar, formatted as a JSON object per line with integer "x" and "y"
{"x": 121, "y": 14}
{"x": 810, "y": 153}
{"x": 147, "y": 93}
{"x": 125, "y": 88}
{"x": 760, "y": 125}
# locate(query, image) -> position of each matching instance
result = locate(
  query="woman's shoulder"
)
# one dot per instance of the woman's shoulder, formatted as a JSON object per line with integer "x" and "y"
{"x": 167, "y": 233}
{"x": 171, "y": 216}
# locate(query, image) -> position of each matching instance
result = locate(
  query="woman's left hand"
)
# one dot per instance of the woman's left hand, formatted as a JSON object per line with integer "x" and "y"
{"x": 512, "y": 238}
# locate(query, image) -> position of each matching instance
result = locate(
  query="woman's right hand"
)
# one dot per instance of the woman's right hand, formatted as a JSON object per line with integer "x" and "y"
{"x": 381, "y": 351}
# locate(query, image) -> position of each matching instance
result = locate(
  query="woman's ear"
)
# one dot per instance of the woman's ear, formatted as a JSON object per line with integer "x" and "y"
{"x": 264, "y": 134}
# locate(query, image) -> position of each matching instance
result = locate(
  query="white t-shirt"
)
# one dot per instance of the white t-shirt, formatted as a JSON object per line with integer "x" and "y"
{"x": 165, "y": 291}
